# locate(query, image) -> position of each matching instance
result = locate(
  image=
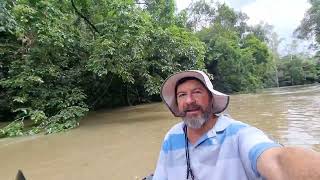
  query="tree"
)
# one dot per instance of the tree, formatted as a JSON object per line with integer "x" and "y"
{"x": 235, "y": 56}
{"x": 310, "y": 25}
{"x": 161, "y": 11}
{"x": 298, "y": 70}
{"x": 9, "y": 46}
{"x": 274, "y": 43}
{"x": 61, "y": 58}
{"x": 263, "y": 31}
{"x": 200, "y": 14}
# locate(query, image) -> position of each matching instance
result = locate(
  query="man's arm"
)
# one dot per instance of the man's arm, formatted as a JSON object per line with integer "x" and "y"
{"x": 289, "y": 163}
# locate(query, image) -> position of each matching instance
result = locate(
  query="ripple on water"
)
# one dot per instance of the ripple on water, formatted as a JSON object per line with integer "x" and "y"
{"x": 289, "y": 114}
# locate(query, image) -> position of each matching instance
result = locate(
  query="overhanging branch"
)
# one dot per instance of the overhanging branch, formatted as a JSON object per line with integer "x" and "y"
{"x": 83, "y": 17}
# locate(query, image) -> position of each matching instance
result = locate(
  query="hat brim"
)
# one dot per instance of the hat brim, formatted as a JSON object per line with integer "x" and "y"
{"x": 220, "y": 100}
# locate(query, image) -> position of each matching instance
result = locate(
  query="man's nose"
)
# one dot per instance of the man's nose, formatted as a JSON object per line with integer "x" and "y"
{"x": 190, "y": 99}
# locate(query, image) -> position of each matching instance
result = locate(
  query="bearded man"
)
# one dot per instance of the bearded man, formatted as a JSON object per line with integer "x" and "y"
{"x": 208, "y": 145}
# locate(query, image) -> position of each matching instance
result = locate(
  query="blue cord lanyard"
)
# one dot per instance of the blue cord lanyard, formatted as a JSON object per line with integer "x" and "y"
{"x": 189, "y": 170}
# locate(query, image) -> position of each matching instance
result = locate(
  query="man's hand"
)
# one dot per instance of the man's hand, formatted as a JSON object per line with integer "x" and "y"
{"x": 289, "y": 163}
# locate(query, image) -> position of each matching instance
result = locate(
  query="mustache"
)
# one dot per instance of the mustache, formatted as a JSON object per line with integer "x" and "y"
{"x": 189, "y": 107}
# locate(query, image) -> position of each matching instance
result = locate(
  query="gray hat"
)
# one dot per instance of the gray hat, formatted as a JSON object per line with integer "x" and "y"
{"x": 220, "y": 101}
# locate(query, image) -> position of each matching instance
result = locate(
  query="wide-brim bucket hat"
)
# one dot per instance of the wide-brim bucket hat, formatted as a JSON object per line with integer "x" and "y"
{"x": 220, "y": 100}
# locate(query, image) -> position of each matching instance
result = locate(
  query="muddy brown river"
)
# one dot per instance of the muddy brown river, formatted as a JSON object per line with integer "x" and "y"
{"x": 123, "y": 144}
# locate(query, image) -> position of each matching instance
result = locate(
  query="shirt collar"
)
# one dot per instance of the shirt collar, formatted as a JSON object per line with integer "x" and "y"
{"x": 222, "y": 123}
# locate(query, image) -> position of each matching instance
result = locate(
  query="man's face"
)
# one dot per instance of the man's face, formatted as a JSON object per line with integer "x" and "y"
{"x": 194, "y": 103}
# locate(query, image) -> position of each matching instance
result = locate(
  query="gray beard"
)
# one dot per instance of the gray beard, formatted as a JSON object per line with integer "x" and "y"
{"x": 197, "y": 122}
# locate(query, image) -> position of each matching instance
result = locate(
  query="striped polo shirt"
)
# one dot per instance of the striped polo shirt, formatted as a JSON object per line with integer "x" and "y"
{"x": 229, "y": 151}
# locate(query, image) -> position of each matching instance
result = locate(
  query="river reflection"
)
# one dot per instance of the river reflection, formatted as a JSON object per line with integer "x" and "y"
{"x": 123, "y": 144}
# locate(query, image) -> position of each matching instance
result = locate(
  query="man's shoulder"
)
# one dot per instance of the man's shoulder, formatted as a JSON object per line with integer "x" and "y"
{"x": 176, "y": 129}
{"x": 225, "y": 121}
{"x": 252, "y": 134}
{"x": 174, "y": 139}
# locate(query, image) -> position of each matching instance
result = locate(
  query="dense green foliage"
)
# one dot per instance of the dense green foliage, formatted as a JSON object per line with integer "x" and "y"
{"x": 59, "y": 59}
{"x": 305, "y": 70}
{"x": 310, "y": 25}
{"x": 297, "y": 70}
{"x": 55, "y": 67}
{"x": 235, "y": 56}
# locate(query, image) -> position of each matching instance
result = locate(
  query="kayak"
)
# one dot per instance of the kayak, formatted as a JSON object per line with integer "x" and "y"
{"x": 20, "y": 175}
